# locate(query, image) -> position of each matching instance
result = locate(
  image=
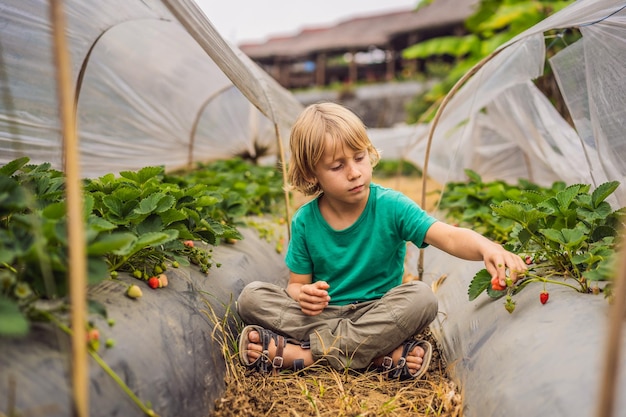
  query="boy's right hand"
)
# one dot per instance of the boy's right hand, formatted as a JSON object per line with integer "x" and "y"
{"x": 314, "y": 298}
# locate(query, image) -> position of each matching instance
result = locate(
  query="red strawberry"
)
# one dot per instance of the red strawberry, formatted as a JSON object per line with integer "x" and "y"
{"x": 93, "y": 338}
{"x": 153, "y": 282}
{"x": 188, "y": 243}
{"x": 528, "y": 260}
{"x": 495, "y": 284}
{"x": 543, "y": 297}
{"x": 93, "y": 335}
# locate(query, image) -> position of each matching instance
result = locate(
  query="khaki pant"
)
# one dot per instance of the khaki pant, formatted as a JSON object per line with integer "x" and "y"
{"x": 345, "y": 336}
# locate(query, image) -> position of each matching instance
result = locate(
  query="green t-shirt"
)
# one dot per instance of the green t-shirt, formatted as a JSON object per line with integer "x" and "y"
{"x": 365, "y": 260}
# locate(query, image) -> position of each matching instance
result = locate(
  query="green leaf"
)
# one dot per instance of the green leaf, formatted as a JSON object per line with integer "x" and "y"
{"x": 206, "y": 201}
{"x": 143, "y": 175}
{"x": 153, "y": 239}
{"x": 55, "y": 211}
{"x": 570, "y": 238}
{"x": 10, "y": 168}
{"x": 603, "y": 191}
{"x": 99, "y": 224}
{"x": 13, "y": 323}
{"x": 111, "y": 243}
{"x": 523, "y": 213}
{"x": 601, "y": 232}
{"x": 480, "y": 282}
{"x": 172, "y": 215}
{"x": 566, "y": 196}
{"x": 96, "y": 307}
{"x": 127, "y": 193}
{"x": 157, "y": 203}
{"x": 97, "y": 270}
{"x": 473, "y": 176}
{"x": 114, "y": 205}
{"x": 445, "y": 45}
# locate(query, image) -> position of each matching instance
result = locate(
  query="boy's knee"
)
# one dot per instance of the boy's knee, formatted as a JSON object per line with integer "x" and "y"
{"x": 426, "y": 299}
{"x": 247, "y": 300}
{"x": 259, "y": 299}
{"x": 248, "y": 292}
{"x": 418, "y": 302}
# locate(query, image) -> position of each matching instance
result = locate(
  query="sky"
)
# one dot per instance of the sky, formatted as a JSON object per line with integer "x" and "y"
{"x": 254, "y": 21}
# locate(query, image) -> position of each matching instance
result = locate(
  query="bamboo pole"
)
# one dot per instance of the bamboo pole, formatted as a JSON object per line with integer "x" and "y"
{"x": 283, "y": 165}
{"x": 76, "y": 234}
{"x": 606, "y": 396}
{"x": 431, "y": 132}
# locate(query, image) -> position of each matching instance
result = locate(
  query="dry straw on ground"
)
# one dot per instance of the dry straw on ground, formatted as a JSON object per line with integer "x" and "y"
{"x": 321, "y": 391}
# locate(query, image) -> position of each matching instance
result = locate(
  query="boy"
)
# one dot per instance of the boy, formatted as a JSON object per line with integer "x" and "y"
{"x": 345, "y": 303}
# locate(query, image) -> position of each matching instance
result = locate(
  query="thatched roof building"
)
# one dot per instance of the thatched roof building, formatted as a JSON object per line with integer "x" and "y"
{"x": 369, "y": 45}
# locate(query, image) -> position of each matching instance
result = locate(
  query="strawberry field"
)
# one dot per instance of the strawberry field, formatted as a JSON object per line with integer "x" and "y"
{"x": 167, "y": 253}
{"x": 528, "y": 145}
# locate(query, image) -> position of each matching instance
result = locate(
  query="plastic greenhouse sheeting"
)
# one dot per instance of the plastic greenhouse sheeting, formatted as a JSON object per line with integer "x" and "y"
{"x": 500, "y": 125}
{"x": 155, "y": 85}
{"x": 168, "y": 347}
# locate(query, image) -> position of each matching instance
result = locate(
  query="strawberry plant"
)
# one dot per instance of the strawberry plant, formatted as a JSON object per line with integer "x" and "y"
{"x": 567, "y": 234}
{"x": 135, "y": 222}
{"x": 468, "y": 203}
{"x": 33, "y": 241}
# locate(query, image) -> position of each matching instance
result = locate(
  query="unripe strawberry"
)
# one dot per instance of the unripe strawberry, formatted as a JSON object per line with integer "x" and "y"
{"x": 509, "y": 304}
{"x": 134, "y": 291}
{"x": 162, "y": 280}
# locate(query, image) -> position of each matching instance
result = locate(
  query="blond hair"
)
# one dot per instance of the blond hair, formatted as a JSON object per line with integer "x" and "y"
{"x": 308, "y": 141}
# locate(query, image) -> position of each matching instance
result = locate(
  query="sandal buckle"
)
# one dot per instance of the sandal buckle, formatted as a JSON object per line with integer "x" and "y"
{"x": 277, "y": 363}
{"x": 387, "y": 362}
{"x": 401, "y": 363}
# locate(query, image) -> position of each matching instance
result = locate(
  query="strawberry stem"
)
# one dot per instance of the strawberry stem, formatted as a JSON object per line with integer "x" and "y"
{"x": 105, "y": 367}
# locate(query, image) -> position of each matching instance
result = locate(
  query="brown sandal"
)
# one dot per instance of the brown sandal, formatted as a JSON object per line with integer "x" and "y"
{"x": 263, "y": 363}
{"x": 400, "y": 371}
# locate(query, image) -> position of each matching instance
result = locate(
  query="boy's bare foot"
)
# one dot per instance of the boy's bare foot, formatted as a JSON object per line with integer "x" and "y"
{"x": 414, "y": 358}
{"x": 291, "y": 351}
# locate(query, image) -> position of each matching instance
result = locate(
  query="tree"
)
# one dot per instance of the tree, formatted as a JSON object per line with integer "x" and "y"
{"x": 494, "y": 23}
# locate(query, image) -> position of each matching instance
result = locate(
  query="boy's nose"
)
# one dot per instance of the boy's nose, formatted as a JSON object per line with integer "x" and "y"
{"x": 354, "y": 173}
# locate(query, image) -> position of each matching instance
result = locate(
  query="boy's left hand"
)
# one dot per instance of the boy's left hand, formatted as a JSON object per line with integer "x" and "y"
{"x": 498, "y": 261}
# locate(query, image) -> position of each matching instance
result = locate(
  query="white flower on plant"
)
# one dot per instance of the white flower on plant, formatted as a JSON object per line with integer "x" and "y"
{"x": 7, "y": 279}
{"x": 22, "y": 290}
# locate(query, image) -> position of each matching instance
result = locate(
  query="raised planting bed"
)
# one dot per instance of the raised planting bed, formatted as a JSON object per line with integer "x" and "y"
{"x": 165, "y": 348}
{"x": 541, "y": 360}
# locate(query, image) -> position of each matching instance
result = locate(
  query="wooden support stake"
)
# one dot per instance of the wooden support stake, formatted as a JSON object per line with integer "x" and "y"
{"x": 283, "y": 165}
{"x": 607, "y": 394}
{"x": 75, "y": 228}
